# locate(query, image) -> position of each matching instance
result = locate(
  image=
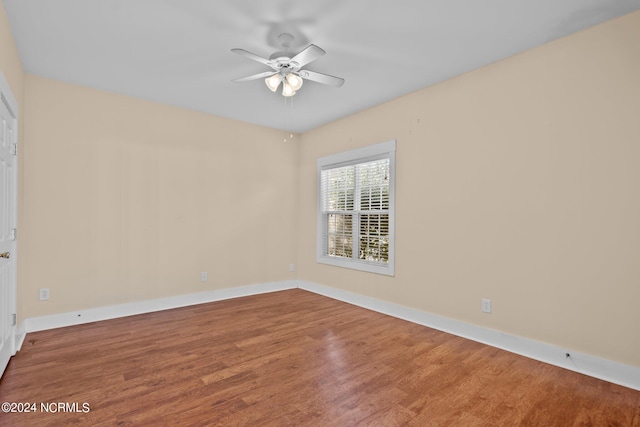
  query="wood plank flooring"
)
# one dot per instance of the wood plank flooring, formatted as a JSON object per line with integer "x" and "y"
{"x": 293, "y": 358}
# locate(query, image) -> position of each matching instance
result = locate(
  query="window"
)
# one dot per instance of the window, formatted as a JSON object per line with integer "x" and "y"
{"x": 356, "y": 209}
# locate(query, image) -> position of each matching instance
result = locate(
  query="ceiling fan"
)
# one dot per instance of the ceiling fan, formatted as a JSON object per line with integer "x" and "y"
{"x": 287, "y": 69}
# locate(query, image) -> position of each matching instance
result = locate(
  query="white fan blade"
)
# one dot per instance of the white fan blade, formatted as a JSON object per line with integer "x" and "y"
{"x": 321, "y": 78}
{"x": 255, "y": 77}
{"x": 252, "y": 56}
{"x": 311, "y": 53}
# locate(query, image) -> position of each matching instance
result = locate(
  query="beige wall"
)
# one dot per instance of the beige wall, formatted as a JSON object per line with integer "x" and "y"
{"x": 518, "y": 182}
{"x": 128, "y": 200}
{"x": 9, "y": 59}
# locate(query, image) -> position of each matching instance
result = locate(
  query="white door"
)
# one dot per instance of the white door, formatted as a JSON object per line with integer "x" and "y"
{"x": 7, "y": 233}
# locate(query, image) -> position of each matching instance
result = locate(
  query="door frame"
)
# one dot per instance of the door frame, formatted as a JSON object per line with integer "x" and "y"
{"x": 7, "y": 98}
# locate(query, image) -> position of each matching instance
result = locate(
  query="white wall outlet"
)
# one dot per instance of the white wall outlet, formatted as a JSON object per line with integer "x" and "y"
{"x": 43, "y": 294}
{"x": 203, "y": 276}
{"x": 292, "y": 267}
{"x": 486, "y": 305}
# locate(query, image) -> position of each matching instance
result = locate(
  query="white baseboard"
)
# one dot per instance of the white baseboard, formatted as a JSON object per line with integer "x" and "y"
{"x": 604, "y": 369}
{"x": 78, "y": 317}
{"x": 21, "y": 333}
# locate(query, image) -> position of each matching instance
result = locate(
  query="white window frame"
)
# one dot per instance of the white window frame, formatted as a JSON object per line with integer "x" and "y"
{"x": 360, "y": 155}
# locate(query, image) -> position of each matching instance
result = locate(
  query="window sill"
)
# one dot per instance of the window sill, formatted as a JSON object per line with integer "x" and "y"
{"x": 369, "y": 267}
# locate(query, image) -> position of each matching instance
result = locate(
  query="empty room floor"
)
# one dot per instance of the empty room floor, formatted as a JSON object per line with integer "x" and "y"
{"x": 292, "y": 358}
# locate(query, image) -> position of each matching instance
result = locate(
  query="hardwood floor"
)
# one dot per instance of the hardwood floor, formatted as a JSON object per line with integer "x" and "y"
{"x": 293, "y": 358}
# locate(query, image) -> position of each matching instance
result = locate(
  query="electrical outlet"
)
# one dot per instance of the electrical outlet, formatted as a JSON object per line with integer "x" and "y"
{"x": 203, "y": 276}
{"x": 486, "y": 305}
{"x": 43, "y": 295}
{"x": 292, "y": 267}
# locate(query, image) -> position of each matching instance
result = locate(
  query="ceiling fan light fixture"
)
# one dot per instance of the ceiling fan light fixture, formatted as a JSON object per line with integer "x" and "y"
{"x": 273, "y": 82}
{"x": 288, "y": 70}
{"x": 287, "y": 90}
{"x": 294, "y": 81}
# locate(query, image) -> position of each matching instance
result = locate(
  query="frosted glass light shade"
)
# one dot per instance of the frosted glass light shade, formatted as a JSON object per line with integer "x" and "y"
{"x": 273, "y": 82}
{"x": 287, "y": 90}
{"x": 294, "y": 81}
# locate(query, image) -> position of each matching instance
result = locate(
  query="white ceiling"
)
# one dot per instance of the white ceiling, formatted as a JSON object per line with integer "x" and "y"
{"x": 178, "y": 51}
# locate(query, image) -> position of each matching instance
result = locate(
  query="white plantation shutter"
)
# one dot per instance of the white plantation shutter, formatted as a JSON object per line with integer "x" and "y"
{"x": 356, "y": 208}
{"x": 338, "y": 193}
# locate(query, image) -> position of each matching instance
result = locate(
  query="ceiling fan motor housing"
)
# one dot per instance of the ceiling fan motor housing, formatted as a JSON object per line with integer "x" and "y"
{"x": 281, "y": 60}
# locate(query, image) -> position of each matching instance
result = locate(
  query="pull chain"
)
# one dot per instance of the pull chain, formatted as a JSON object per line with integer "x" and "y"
{"x": 288, "y": 117}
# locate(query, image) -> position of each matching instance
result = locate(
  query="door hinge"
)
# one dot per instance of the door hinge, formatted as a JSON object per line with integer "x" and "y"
{"x": 14, "y": 234}
{"x": 14, "y": 320}
{"x": 14, "y": 149}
